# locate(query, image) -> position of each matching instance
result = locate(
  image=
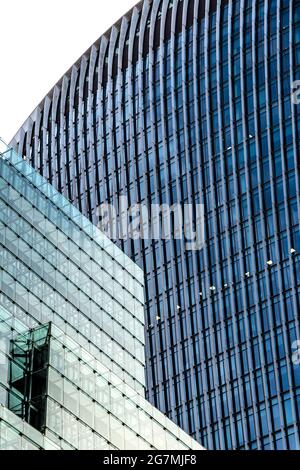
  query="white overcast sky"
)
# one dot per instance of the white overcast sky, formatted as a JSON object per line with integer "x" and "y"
{"x": 39, "y": 41}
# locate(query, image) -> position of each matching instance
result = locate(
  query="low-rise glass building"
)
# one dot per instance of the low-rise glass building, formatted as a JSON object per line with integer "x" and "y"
{"x": 72, "y": 362}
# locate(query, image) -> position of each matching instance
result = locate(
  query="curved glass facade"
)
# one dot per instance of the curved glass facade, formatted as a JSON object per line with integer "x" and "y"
{"x": 190, "y": 101}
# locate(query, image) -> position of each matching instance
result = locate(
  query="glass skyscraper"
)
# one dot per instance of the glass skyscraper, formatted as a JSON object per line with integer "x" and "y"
{"x": 71, "y": 329}
{"x": 190, "y": 101}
